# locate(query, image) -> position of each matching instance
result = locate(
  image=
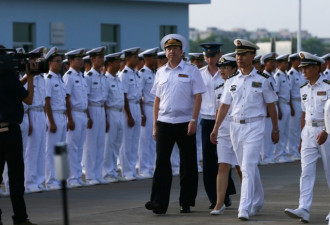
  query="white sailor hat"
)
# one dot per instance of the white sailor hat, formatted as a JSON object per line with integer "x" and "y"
{"x": 96, "y": 51}
{"x": 227, "y": 60}
{"x": 86, "y": 58}
{"x": 161, "y": 55}
{"x": 268, "y": 56}
{"x": 309, "y": 59}
{"x": 20, "y": 50}
{"x": 113, "y": 56}
{"x": 173, "y": 40}
{"x": 231, "y": 54}
{"x": 131, "y": 51}
{"x": 150, "y": 52}
{"x": 39, "y": 50}
{"x": 196, "y": 56}
{"x": 76, "y": 53}
{"x": 52, "y": 53}
{"x": 326, "y": 56}
{"x": 257, "y": 58}
{"x": 65, "y": 61}
{"x": 282, "y": 58}
{"x": 243, "y": 46}
{"x": 294, "y": 56}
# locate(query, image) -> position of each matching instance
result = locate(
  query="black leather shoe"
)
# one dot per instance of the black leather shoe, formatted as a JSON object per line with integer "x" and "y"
{"x": 227, "y": 201}
{"x": 155, "y": 207}
{"x": 212, "y": 206}
{"x": 185, "y": 209}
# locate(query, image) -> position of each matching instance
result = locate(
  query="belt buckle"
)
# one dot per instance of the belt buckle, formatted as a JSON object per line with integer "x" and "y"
{"x": 242, "y": 121}
{"x": 314, "y": 124}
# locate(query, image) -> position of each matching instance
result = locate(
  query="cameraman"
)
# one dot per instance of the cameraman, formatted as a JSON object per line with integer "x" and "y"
{"x": 12, "y": 93}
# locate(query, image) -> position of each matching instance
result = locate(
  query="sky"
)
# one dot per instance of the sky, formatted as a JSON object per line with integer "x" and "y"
{"x": 270, "y": 14}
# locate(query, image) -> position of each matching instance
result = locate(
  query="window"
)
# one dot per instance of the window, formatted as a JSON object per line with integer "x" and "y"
{"x": 167, "y": 29}
{"x": 24, "y": 35}
{"x": 110, "y": 37}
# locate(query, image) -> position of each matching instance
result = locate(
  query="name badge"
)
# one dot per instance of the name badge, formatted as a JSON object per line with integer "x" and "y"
{"x": 183, "y": 75}
{"x": 256, "y": 84}
{"x": 321, "y": 93}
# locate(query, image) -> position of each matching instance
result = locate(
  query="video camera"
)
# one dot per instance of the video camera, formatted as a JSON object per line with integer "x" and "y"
{"x": 11, "y": 61}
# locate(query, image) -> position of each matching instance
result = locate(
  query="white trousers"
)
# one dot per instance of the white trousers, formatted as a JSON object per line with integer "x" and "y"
{"x": 24, "y": 130}
{"x": 75, "y": 142}
{"x": 267, "y": 153}
{"x": 310, "y": 153}
{"x": 113, "y": 140}
{"x": 128, "y": 153}
{"x": 283, "y": 125}
{"x": 51, "y": 140}
{"x": 35, "y": 151}
{"x": 199, "y": 143}
{"x": 175, "y": 160}
{"x": 247, "y": 140}
{"x": 94, "y": 144}
{"x": 294, "y": 130}
{"x": 147, "y": 144}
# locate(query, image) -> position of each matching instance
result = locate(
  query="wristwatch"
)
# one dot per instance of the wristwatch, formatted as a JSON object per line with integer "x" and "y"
{"x": 193, "y": 120}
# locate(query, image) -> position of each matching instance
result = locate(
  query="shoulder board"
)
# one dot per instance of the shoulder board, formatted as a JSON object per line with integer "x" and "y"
{"x": 142, "y": 70}
{"x": 125, "y": 71}
{"x": 291, "y": 72}
{"x": 304, "y": 84}
{"x": 219, "y": 86}
{"x": 69, "y": 72}
{"x": 203, "y": 68}
{"x": 90, "y": 74}
{"x": 233, "y": 75}
{"x": 49, "y": 76}
{"x": 263, "y": 74}
{"x": 326, "y": 81}
{"x": 326, "y": 73}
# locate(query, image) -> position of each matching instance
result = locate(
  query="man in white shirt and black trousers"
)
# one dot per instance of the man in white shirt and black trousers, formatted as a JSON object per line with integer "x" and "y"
{"x": 178, "y": 88}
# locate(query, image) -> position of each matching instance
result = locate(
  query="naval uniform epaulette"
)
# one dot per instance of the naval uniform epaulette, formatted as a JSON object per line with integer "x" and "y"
{"x": 49, "y": 76}
{"x": 304, "y": 84}
{"x": 142, "y": 70}
{"x": 219, "y": 86}
{"x": 69, "y": 72}
{"x": 263, "y": 74}
{"x": 291, "y": 72}
{"x": 326, "y": 81}
{"x": 203, "y": 68}
{"x": 89, "y": 73}
{"x": 125, "y": 71}
{"x": 233, "y": 75}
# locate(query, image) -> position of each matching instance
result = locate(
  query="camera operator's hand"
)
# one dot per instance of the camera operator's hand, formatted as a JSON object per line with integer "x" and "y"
{"x": 53, "y": 128}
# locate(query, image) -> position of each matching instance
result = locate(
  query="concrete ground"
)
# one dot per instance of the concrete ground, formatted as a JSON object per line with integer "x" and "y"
{"x": 123, "y": 203}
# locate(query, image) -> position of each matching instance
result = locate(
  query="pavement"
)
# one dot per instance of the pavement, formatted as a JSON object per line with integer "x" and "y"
{"x": 123, "y": 203}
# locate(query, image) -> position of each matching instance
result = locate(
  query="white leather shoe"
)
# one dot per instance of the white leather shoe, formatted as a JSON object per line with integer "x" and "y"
{"x": 243, "y": 215}
{"x": 255, "y": 210}
{"x": 299, "y": 213}
{"x": 92, "y": 182}
{"x": 103, "y": 181}
{"x": 218, "y": 211}
{"x": 328, "y": 217}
